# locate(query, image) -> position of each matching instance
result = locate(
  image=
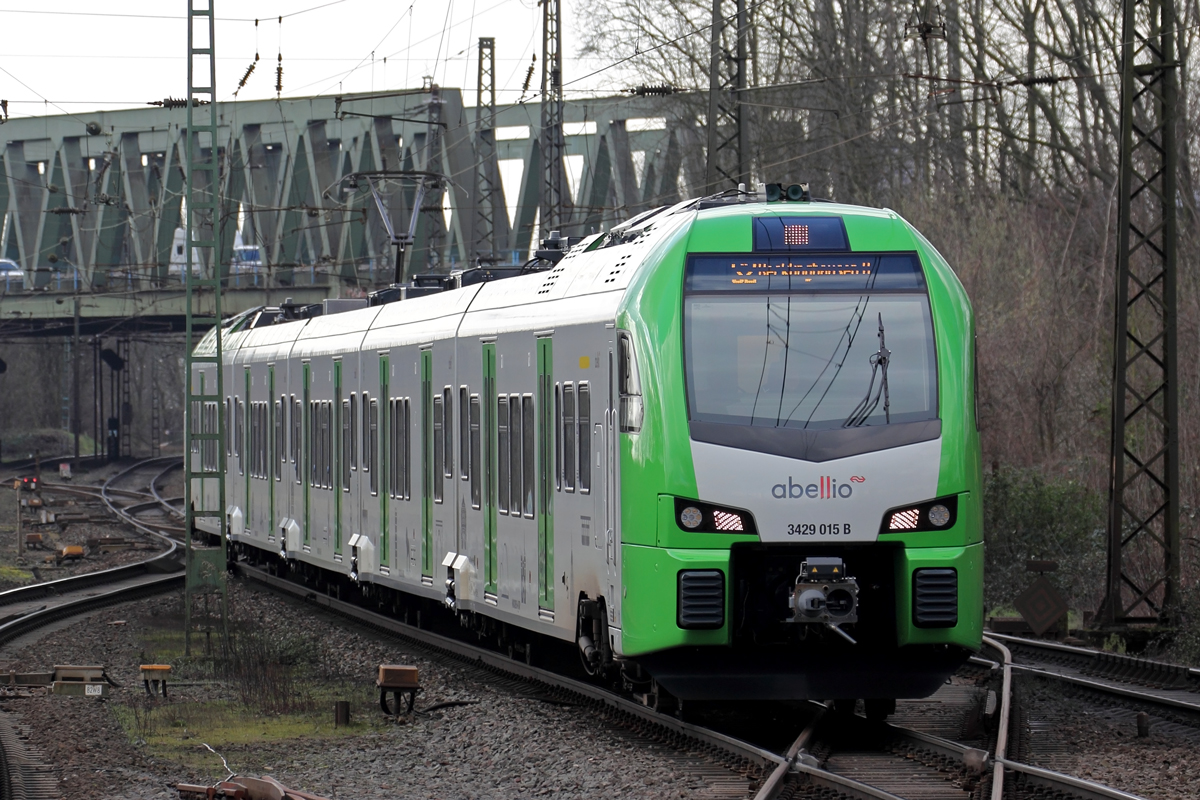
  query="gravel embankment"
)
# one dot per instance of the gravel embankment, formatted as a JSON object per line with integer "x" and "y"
{"x": 502, "y": 745}
{"x": 1099, "y": 742}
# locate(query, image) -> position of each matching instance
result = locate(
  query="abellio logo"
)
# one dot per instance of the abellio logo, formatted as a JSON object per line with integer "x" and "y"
{"x": 827, "y": 488}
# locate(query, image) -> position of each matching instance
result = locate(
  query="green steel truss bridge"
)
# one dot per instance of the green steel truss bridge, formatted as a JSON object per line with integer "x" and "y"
{"x": 93, "y": 201}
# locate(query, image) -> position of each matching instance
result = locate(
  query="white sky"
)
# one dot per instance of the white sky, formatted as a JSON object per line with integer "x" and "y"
{"x": 81, "y": 55}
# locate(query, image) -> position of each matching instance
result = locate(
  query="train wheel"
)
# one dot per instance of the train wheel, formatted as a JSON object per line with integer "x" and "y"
{"x": 845, "y": 705}
{"x": 879, "y": 708}
{"x": 663, "y": 701}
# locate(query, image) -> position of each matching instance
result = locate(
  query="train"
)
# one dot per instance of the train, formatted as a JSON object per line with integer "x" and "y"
{"x": 728, "y": 450}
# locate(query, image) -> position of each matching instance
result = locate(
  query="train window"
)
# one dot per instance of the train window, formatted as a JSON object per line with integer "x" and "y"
{"x": 264, "y": 440}
{"x": 473, "y": 421}
{"x": 439, "y": 453}
{"x": 328, "y": 475}
{"x": 393, "y": 447}
{"x": 228, "y": 424}
{"x": 629, "y": 385}
{"x": 568, "y": 436}
{"x": 464, "y": 434}
{"x": 585, "y": 439}
{"x": 322, "y": 437}
{"x": 515, "y": 473}
{"x": 373, "y": 435}
{"x": 406, "y": 457}
{"x": 527, "y": 453}
{"x": 313, "y": 453}
{"x": 297, "y": 436}
{"x": 448, "y": 431}
{"x": 398, "y": 457}
{"x": 347, "y": 439}
{"x": 255, "y": 434}
{"x": 557, "y": 437}
{"x": 366, "y": 436}
{"x": 353, "y": 435}
{"x": 239, "y": 428}
{"x": 281, "y": 431}
{"x": 252, "y": 440}
{"x": 277, "y": 426}
{"x": 319, "y": 438}
{"x": 502, "y": 450}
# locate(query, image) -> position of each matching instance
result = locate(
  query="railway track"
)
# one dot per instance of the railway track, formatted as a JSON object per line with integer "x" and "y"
{"x": 29, "y": 608}
{"x": 832, "y": 754}
{"x": 936, "y": 749}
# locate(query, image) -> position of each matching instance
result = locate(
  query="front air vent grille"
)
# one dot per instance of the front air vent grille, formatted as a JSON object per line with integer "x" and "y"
{"x": 701, "y": 599}
{"x": 935, "y": 598}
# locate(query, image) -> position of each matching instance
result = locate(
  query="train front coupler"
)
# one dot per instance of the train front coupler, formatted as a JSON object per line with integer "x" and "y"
{"x": 825, "y": 595}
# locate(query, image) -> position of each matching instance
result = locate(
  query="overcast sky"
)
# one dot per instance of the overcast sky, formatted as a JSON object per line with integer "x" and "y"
{"x": 59, "y": 56}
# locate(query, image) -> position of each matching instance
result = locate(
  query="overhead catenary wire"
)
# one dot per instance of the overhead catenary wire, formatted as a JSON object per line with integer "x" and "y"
{"x": 172, "y": 17}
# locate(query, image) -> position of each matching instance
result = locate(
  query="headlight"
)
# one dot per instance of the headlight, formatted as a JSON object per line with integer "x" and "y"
{"x": 932, "y": 515}
{"x": 691, "y": 518}
{"x": 701, "y": 517}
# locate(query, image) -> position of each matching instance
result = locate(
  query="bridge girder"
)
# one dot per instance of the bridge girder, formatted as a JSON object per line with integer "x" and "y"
{"x": 92, "y": 201}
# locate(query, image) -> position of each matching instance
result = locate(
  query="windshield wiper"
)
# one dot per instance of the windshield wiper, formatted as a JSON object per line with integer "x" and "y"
{"x": 879, "y": 366}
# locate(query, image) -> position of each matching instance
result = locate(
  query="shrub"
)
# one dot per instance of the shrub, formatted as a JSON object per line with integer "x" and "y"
{"x": 1029, "y": 516}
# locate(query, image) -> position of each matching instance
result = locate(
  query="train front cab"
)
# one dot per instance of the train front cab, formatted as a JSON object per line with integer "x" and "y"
{"x": 709, "y": 609}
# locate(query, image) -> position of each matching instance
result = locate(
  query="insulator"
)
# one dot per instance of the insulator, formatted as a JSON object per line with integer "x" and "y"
{"x": 249, "y": 71}
{"x": 279, "y": 75}
{"x": 177, "y": 102}
{"x": 1039, "y": 80}
{"x": 661, "y": 90}
{"x": 529, "y": 75}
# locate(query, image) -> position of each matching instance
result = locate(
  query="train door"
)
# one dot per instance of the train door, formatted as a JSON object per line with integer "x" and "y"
{"x": 386, "y": 467}
{"x": 339, "y": 440}
{"x": 272, "y": 467}
{"x": 305, "y": 466}
{"x": 612, "y": 502}
{"x": 427, "y": 457}
{"x": 545, "y": 458}
{"x": 489, "y": 472}
{"x": 245, "y": 454}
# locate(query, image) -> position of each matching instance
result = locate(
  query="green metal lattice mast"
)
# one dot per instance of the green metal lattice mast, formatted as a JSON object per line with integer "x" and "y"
{"x": 204, "y": 425}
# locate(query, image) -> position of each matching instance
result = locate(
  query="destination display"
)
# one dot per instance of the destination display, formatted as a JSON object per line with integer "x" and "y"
{"x": 791, "y": 273}
{"x": 793, "y": 234}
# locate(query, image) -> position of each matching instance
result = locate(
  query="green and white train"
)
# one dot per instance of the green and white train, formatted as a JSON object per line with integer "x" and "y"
{"x": 728, "y": 448}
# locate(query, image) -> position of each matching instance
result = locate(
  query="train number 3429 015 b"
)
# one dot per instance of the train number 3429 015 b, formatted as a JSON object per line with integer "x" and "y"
{"x": 823, "y": 529}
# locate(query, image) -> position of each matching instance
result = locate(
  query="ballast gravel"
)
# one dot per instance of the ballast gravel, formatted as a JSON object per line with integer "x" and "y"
{"x": 503, "y": 744}
{"x": 1097, "y": 740}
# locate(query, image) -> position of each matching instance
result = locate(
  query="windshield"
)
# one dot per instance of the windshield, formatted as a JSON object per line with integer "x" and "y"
{"x": 769, "y": 349}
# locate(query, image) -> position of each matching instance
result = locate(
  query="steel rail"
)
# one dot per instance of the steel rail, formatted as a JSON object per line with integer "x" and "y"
{"x": 1112, "y": 686}
{"x": 783, "y": 767}
{"x": 1092, "y": 654}
{"x": 764, "y": 759}
{"x": 1055, "y": 781}
{"x": 501, "y": 663}
{"x": 165, "y": 562}
{"x": 44, "y": 616}
{"x": 1058, "y": 782}
{"x": 1005, "y": 714}
{"x": 165, "y": 502}
{"x": 774, "y": 784}
{"x": 1107, "y": 688}
{"x": 106, "y": 488}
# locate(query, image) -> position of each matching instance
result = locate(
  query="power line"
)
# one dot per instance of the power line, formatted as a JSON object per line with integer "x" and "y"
{"x": 172, "y": 17}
